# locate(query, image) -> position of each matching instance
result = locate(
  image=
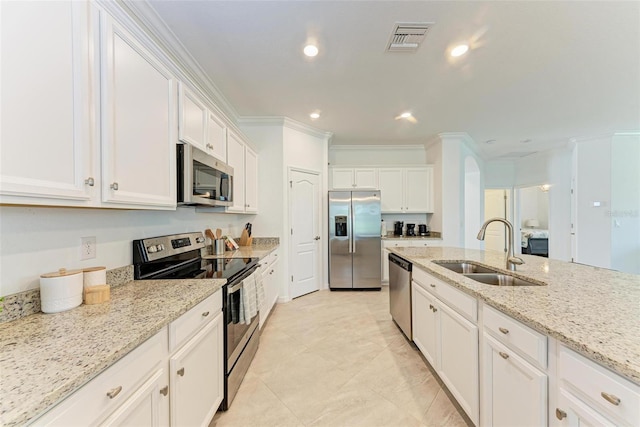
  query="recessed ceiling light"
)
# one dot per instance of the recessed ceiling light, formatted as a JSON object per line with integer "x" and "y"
{"x": 459, "y": 50}
{"x": 490, "y": 141}
{"x": 526, "y": 141}
{"x": 314, "y": 115}
{"x": 310, "y": 50}
{"x": 405, "y": 115}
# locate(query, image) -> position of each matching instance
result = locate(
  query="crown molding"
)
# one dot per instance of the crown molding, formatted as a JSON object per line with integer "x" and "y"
{"x": 356, "y": 147}
{"x": 147, "y": 17}
{"x": 284, "y": 122}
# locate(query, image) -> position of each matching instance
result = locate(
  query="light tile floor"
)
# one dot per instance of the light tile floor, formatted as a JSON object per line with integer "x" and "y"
{"x": 337, "y": 359}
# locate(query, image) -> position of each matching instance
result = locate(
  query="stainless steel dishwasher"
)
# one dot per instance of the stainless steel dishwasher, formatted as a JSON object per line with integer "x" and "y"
{"x": 400, "y": 293}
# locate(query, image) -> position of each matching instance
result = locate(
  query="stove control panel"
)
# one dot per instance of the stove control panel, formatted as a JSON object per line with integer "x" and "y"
{"x": 163, "y": 246}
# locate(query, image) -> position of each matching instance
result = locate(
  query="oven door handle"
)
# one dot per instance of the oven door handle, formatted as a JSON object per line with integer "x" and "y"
{"x": 234, "y": 288}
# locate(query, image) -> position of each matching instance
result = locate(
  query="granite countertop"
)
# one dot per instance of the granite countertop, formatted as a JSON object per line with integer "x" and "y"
{"x": 254, "y": 251}
{"x": 46, "y": 357}
{"x": 594, "y": 311}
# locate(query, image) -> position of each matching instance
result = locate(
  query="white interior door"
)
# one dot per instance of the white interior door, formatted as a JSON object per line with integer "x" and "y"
{"x": 304, "y": 205}
{"x": 495, "y": 206}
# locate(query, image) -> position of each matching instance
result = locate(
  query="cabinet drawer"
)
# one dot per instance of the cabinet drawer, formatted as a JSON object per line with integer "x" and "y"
{"x": 600, "y": 386}
{"x": 532, "y": 344}
{"x": 91, "y": 403}
{"x": 458, "y": 300}
{"x": 181, "y": 329}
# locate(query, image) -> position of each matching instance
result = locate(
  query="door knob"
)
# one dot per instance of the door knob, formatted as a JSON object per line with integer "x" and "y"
{"x": 90, "y": 182}
{"x": 181, "y": 372}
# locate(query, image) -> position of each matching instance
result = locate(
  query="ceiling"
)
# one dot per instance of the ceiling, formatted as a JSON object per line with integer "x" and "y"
{"x": 542, "y": 72}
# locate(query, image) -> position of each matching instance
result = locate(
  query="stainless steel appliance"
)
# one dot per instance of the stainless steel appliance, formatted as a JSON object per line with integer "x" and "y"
{"x": 202, "y": 180}
{"x": 178, "y": 257}
{"x": 354, "y": 240}
{"x": 400, "y": 293}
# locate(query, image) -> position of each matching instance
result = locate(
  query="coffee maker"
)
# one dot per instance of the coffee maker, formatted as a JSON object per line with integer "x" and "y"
{"x": 411, "y": 230}
{"x": 397, "y": 228}
{"x": 423, "y": 230}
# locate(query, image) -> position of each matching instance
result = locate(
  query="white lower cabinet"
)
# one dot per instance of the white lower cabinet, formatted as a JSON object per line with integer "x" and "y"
{"x": 573, "y": 412}
{"x": 271, "y": 285}
{"x": 514, "y": 392}
{"x": 151, "y": 387}
{"x": 196, "y": 378}
{"x": 449, "y": 342}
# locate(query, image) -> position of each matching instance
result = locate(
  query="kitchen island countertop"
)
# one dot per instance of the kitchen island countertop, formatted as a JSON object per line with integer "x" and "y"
{"x": 594, "y": 311}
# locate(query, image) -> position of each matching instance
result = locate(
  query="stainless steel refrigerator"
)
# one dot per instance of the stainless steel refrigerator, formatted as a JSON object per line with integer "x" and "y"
{"x": 354, "y": 240}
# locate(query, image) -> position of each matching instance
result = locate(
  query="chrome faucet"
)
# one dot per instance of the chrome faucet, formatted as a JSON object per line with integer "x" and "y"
{"x": 512, "y": 260}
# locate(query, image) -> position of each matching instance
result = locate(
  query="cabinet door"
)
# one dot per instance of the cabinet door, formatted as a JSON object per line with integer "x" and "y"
{"x": 138, "y": 122}
{"x": 342, "y": 178}
{"x": 148, "y": 406}
{"x": 217, "y": 137}
{"x": 270, "y": 284}
{"x": 573, "y": 412}
{"x": 192, "y": 114}
{"x": 235, "y": 159}
{"x": 425, "y": 323}
{"x": 251, "y": 177}
{"x": 196, "y": 376}
{"x": 418, "y": 190}
{"x": 391, "y": 190}
{"x": 365, "y": 178}
{"x": 514, "y": 392}
{"x": 459, "y": 359}
{"x": 46, "y": 74}
{"x": 385, "y": 264}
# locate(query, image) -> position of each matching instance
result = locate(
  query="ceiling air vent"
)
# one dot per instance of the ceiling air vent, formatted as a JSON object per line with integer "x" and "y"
{"x": 407, "y": 36}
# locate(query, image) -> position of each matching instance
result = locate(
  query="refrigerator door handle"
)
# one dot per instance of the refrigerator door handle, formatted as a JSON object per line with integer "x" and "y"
{"x": 353, "y": 230}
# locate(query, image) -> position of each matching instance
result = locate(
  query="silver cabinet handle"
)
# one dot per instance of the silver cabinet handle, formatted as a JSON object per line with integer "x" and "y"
{"x": 271, "y": 272}
{"x": 431, "y": 306}
{"x": 560, "y": 414}
{"x": 114, "y": 186}
{"x": 114, "y": 392}
{"x": 164, "y": 390}
{"x": 181, "y": 372}
{"x": 432, "y": 285}
{"x": 90, "y": 182}
{"x": 503, "y": 330}
{"x": 210, "y": 147}
{"x": 205, "y": 314}
{"x": 503, "y": 355}
{"x": 614, "y": 400}
{"x": 316, "y": 238}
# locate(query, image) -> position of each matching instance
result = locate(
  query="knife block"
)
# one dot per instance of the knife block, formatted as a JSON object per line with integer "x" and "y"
{"x": 245, "y": 240}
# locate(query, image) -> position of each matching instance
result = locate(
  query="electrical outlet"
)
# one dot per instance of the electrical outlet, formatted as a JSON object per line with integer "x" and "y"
{"x": 87, "y": 247}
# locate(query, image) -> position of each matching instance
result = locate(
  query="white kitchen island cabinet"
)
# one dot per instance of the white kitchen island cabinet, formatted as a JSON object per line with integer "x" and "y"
{"x": 139, "y": 122}
{"x": 46, "y": 135}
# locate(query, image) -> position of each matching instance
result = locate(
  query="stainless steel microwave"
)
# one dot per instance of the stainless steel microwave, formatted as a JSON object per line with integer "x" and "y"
{"x": 202, "y": 179}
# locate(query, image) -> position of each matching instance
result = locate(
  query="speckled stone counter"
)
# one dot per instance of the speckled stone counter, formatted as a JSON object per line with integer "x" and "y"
{"x": 254, "y": 251}
{"x": 592, "y": 310}
{"x": 45, "y": 357}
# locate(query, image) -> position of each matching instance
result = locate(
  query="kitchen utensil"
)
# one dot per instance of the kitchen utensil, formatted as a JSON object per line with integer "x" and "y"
{"x": 218, "y": 246}
{"x": 248, "y": 227}
{"x": 209, "y": 234}
{"x": 218, "y": 233}
{"x": 61, "y": 290}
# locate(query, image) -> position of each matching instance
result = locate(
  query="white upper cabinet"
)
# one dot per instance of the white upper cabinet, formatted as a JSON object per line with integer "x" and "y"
{"x": 251, "y": 180}
{"x": 193, "y": 117}
{"x": 46, "y": 135}
{"x": 216, "y": 137}
{"x": 354, "y": 178}
{"x": 244, "y": 162}
{"x": 138, "y": 122}
{"x": 406, "y": 190}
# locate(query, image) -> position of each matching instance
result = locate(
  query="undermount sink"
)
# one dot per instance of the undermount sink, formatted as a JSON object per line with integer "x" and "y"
{"x": 497, "y": 279}
{"x": 465, "y": 267}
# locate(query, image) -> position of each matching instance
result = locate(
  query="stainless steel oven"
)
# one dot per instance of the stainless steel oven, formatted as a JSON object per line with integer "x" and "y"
{"x": 202, "y": 180}
{"x": 178, "y": 257}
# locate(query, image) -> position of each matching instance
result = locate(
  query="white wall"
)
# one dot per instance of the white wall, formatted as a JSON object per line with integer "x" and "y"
{"x": 534, "y": 204}
{"x": 434, "y": 154}
{"x": 372, "y": 155}
{"x": 37, "y": 240}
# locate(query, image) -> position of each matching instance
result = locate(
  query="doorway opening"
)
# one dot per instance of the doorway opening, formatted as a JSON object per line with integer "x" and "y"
{"x": 532, "y": 220}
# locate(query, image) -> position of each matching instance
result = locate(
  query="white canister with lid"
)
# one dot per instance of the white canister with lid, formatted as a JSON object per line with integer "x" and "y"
{"x": 95, "y": 276}
{"x": 61, "y": 290}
